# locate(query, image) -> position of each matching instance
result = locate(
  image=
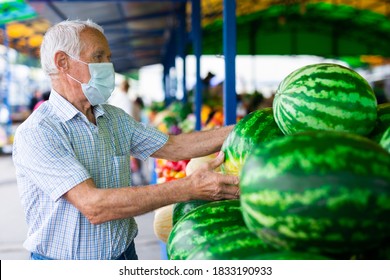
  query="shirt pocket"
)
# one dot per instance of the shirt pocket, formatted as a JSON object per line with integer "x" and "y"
{"x": 121, "y": 171}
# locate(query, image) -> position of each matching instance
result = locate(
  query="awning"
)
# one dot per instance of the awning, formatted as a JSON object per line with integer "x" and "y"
{"x": 15, "y": 10}
{"x": 309, "y": 27}
{"x": 140, "y": 33}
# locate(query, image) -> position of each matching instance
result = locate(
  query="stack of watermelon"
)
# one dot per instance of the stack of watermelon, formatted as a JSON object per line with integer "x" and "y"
{"x": 255, "y": 128}
{"x": 314, "y": 176}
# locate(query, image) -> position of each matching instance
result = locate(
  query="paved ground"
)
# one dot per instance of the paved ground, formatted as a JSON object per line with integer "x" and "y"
{"x": 13, "y": 227}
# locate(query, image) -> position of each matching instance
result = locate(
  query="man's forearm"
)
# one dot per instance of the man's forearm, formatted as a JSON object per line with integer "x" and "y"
{"x": 194, "y": 144}
{"x": 113, "y": 204}
{"x": 102, "y": 205}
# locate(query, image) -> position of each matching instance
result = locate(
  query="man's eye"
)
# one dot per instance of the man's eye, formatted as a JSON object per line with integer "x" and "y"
{"x": 98, "y": 58}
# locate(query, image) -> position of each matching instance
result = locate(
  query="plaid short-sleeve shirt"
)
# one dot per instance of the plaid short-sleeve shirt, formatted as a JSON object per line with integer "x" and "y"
{"x": 57, "y": 148}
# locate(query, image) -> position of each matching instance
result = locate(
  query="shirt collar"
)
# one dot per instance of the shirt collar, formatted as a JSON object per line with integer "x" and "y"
{"x": 98, "y": 111}
{"x": 66, "y": 111}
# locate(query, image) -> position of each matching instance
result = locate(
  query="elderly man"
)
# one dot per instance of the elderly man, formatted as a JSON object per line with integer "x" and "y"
{"x": 72, "y": 157}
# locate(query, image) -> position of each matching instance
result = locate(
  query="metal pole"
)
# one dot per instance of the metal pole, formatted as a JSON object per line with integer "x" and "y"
{"x": 230, "y": 50}
{"x": 197, "y": 45}
{"x": 182, "y": 35}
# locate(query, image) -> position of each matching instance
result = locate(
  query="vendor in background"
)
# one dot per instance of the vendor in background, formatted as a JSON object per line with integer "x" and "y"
{"x": 72, "y": 157}
{"x": 35, "y": 98}
{"x": 45, "y": 97}
{"x": 121, "y": 99}
{"x": 138, "y": 106}
{"x": 139, "y": 167}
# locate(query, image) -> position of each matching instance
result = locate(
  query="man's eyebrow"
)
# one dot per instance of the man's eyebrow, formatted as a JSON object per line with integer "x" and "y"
{"x": 100, "y": 52}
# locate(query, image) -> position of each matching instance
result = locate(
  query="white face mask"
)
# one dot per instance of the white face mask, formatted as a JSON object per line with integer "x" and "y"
{"x": 101, "y": 84}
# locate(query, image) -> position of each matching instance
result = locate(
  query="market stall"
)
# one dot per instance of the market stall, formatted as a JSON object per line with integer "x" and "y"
{"x": 307, "y": 190}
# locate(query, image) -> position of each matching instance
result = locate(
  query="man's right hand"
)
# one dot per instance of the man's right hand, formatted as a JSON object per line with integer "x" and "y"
{"x": 210, "y": 185}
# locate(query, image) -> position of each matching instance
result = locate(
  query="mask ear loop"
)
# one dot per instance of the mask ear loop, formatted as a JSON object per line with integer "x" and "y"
{"x": 72, "y": 57}
{"x": 74, "y": 79}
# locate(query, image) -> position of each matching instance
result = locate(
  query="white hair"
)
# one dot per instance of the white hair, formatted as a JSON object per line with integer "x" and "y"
{"x": 64, "y": 36}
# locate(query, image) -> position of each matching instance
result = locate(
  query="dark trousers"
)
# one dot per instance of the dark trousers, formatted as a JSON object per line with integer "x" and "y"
{"x": 129, "y": 254}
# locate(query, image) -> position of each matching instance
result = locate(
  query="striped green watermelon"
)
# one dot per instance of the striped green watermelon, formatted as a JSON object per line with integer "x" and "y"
{"x": 238, "y": 244}
{"x": 292, "y": 256}
{"x": 322, "y": 192}
{"x": 325, "y": 96}
{"x": 201, "y": 225}
{"x": 382, "y": 252}
{"x": 256, "y": 127}
{"x": 242, "y": 244}
{"x": 385, "y": 140}
{"x": 200, "y": 254}
{"x": 182, "y": 208}
{"x": 382, "y": 122}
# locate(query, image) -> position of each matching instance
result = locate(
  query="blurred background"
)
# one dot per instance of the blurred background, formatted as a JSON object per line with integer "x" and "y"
{"x": 190, "y": 65}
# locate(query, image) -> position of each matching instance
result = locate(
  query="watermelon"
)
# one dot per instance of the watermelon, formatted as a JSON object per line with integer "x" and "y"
{"x": 256, "y": 127}
{"x": 383, "y": 252}
{"x": 242, "y": 244}
{"x": 319, "y": 191}
{"x": 211, "y": 252}
{"x": 385, "y": 140}
{"x": 325, "y": 96}
{"x": 382, "y": 122}
{"x": 238, "y": 244}
{"x": 182, "y": 208}
{"x": 380, "y": 253}
{"x": 201, "y": 225}
{"x": 292, "y": 256}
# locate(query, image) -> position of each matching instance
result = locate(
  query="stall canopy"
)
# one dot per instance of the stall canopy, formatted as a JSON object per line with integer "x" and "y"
{"x": 22, "y": 28}
{"x": 140, "y": 33}
{"x": 14, "y": 10}
{"x": 26, "y": 36}
{"x": 323, "y": 28}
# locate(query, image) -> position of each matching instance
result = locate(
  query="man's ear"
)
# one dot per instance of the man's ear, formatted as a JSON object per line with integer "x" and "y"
{"x": 61, "y": 61}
